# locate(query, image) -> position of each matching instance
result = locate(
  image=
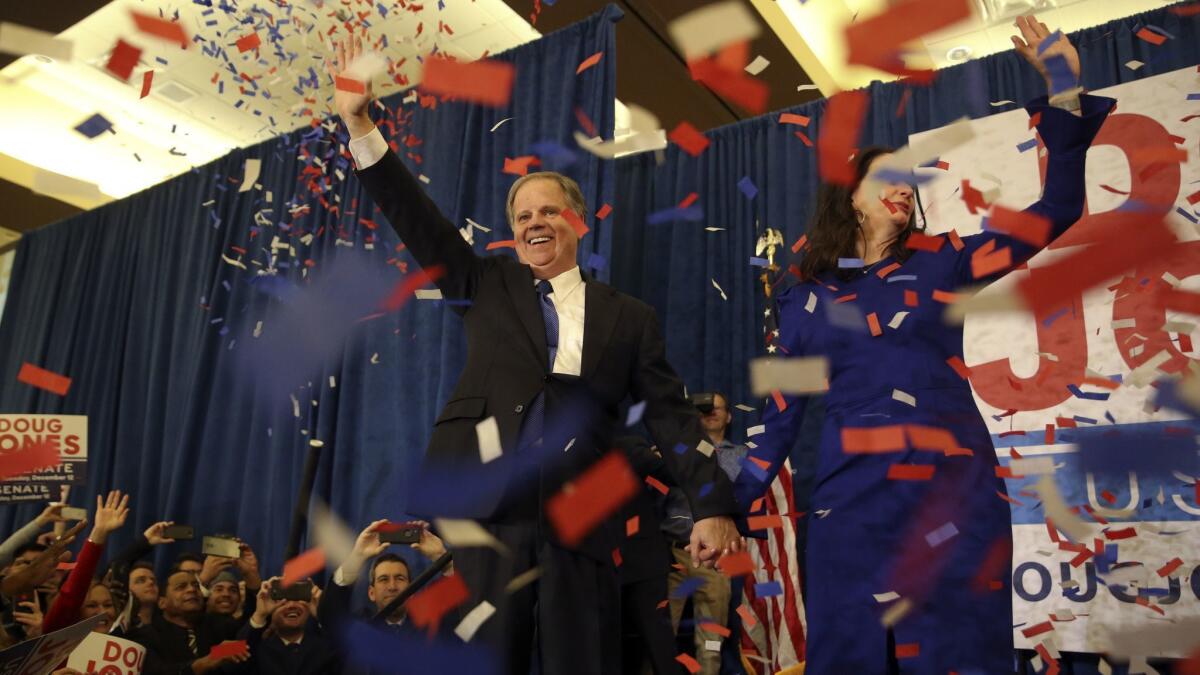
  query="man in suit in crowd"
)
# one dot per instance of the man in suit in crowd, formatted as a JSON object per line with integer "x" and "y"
{"x": 550, "y": 356}
{"x": 180, "y": 637}
{"x": 284, "y": 638}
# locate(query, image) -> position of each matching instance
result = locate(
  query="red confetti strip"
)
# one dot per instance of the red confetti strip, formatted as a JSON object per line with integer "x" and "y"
{"x": 167, "y": 30}
{"x": 946, "y": 296}
{"x": 908, "y": 650}
{"x": 44, "y": 379}
{"x": 616, "y": 557}
{"x": 631, "y": 526}
{"x": 1150, "y": 36}
{"x": 1123, "y": 533}
{"x": 427, "y": 607}
{"x": 973, "y": 198}
{"x": 910, "y": 472}
{"x": 767, "y": 522}
{"x": 484, "y": 81}
{"x": 793, "y": 118}
{"x": 777, "y": 396}
{"x": 688, "y": 662}
{"x": 576, "y": 223}
{"x": 689, "y": 138}
{"x": 229, "y": 648}
{"x": 910, "y": 298}
{"x": 689, "y": 200}
{"x": 733, "y": 84}
{"x": 800, "y": 243}
{"x": 1028, "y": 227}
{"x": 504, "y": 243}
{"x": 845, "y": 298}
{"x": 924, "y": 242}
{"x": 147, "y": 81}
{"x": 303, "y": 566}
{"x": 1171, "y": 566}
{"x": 65, "y": 566}
{"x": 985, "y": 263}
{"x": 603, "y": 211}
{"x": 877, "y": 41}
{"x": 248, "y": 42}
{"x": 1049, "y": 434}
{"x": 884, "y": 271}
{"x": 592, "y": 497}
{"x": 872, "y": 440}
{"x": 714, "y": 627}
{"x": 408, "y": 286}
{"x": 589, "y": 62}
{"x": 748, "y": 618}
{"x": 955, "y": 240}
{"x": 1038, "y": 629}
{"x": 1193, "y": 198}
{"x": 840, "y": 128}
{"x": 804, "y": 137}
{"x": 349, "y": 84}
{"x": 923, "y": 437}
{"x": 123, "y": 58}
{"x": 959, "y": 367}
{"x": 657, "y": 484}
{"x": 1112, "y": 189}
{"x": 736, "y": 564}
{"x": 519, "y": 166}
{"x": 873, "y": 324}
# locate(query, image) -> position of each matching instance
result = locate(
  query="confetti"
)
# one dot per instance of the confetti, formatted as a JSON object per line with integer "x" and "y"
{"x": 758, "y": 65}
{"x": 147, "y": 81}
{"x": 303, "y": 566}
{"x": 488, "y": 434}
{"x": 910, "y": 472}
{"x": 250, "y": 174}
{"x": 689, "y": 138}
{"x": 796, "y": 376}
{"x": 736, "y": 564}
{"x": 904, "y": 397}
{"x": 160, "y": 28}
{"x": 589, "y": 499}
{"x": 94, "y": 126}
{"x": 747, "y": 187}
{"x": 719, "y": 290}
{"x": 731, "y": 84}
{"x": 873, "y": 439}
{"x": 589, "y": 62}
{"x": 466, "y": 629}
{"x": 519, "y": 166}
{"x": 1150, "y": 36}
{"x": 1028, "y": 227}
{"x": 20, "y": 40}
{"x": 123, "y": 58}
{"x": 229, "y": 648}
{"x": 485, "y": 82}
{"x": 688, "y": 662}
{"x": 248, "y": 42}
{"x": 603, "y": 212}
{"x": 708, "y": 29}
{"x": 349, "y": 84}
{"x": 43, "y": 379}
{"x": 427, "y": 607}
{"x": 877, "y": 41}
{"x": 792, "y": 118}
{"x": 467, "y": 534}
{"x": 839, "y": 134}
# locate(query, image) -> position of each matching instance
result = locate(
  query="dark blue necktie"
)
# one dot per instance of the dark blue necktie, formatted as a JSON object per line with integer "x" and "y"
{"x": 535, "y": 419}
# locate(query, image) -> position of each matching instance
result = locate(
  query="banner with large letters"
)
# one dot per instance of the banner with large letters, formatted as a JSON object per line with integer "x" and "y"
{"x": 65, "y": 434}
{"x": 1141, "y": 566}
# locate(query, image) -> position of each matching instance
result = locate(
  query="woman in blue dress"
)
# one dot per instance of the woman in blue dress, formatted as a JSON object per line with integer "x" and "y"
{"x": 907, "y": 527}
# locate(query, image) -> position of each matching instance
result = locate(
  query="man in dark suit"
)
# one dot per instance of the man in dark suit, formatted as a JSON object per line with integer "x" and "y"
{"x": 645, "y": 562}
{"x": 550, "y": 356}
{"x": 284, "y": 639}
{"x": 180, "y": 637}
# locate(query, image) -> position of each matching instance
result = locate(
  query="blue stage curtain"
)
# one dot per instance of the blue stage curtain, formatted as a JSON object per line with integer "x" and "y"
{"x": 673, "y": 265}
{"x": 138, "y": 303}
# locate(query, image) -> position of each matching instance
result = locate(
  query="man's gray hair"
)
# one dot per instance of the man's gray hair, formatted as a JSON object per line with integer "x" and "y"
{"x": 569, "y": 187}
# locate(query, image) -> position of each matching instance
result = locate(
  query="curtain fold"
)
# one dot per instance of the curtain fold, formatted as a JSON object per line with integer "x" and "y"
{"x": 150, "y": 304}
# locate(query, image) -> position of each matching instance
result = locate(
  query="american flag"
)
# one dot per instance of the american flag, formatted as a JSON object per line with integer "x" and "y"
{"x": 776, "y": 638}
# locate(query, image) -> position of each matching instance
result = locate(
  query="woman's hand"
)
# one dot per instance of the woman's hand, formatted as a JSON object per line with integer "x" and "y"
{"x": 1034, "y": 34}
{"x": 111, "y": 513}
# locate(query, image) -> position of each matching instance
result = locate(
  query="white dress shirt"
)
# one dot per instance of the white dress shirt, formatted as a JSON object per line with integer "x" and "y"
{"x": 568, "y": 287}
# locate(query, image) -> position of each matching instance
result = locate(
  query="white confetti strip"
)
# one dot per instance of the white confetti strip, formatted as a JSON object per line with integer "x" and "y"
{"x": 488, "y": 433}
{"x": 1134, "y": 64}
{"x": 812, "y": 302}
{"x": 498, "y": 124}
{"x": 886, "y": 597}
{"x": 705, "y": 448}
{"x": 897, "y": 320}
{"x": 807, "y": 375}
{"x": 941, "y": 535}
{"x": 467, "y": 534}
{"x": 716, "y": 286}
{"x": 465, "y": 630}
{"x": 428, "y": 294}
{"x": 253, "y": 167}
{"x": 904, "y": 397}
{"x": 756, "y": 430}
{"x": 758, "y": 65}
{"x": 708, "y": 29}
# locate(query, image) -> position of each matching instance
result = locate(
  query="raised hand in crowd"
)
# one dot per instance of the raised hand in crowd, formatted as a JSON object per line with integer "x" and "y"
{"x": 154, "y": 533}
{"x": 111, "y": 512}
{"x": 51, "y": 514}
{"x": 214, "y": 565}
{"x": 366, "y": 546}
{"x": 351, "y": 106}
{"x": 431, "y": 546}
{"x": 265, "y": 605}
{"x": 28, "y": 577}
{"x": 30, "y": 616}
{"x": 315, "y": 602}
{"x": 247, "y": 564}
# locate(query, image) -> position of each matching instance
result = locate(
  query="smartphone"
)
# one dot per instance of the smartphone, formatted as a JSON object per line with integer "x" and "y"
{"x": 221, "y": 547}
{"x": 178, "y": 532}
{"x": 401, "y": 533}
{"x": 301, "y": 590}
{"x": 73, "y": 513}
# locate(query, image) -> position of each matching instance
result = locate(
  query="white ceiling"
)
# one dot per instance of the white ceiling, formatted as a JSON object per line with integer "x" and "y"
{"x": 188, "y": 120}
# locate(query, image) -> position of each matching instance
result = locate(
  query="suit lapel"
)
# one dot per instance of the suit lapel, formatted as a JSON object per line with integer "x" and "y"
{"x": 600, "y": 311}
{"x": 519, "y": 280}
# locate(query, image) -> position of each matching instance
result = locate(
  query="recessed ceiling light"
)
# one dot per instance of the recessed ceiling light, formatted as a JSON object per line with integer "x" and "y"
{"x": 959, "y": 53}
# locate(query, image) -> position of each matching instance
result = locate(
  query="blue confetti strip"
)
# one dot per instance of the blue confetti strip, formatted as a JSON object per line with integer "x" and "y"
{"x": 1085, "y": 420}
{"x": 691, "y": 213}
{"x": 1087, "y": 396}
{"x": 901, "y": 277}
{"x": 754, "y": 470}
{"x": 849, "y": 263}
{"x": 706, "y": 488}
{"x": 1050, "y": 39}
{"x": 596, "y": 261}
{"x": 758, "y": 262}
{"x": 747, "y": 187}
{"x": 687, "y": 587}
{"x": 1193, "y": 97}
{"x": 768, "y": 589}
{"x": 1183, "y": 212}
{"x": 680, "y": 448}
{"x": 1061, "y": 77}
{"x": 635, "y": 413}
{"x": 1027, "y": 145}
{"x": 94, "y": 126}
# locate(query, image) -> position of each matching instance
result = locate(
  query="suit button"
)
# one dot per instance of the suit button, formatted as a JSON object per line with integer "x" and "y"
{"x": 518, "y": 409}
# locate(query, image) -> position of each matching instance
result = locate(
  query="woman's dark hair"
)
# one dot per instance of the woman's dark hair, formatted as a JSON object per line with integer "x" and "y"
{"x": 834, "y": 229}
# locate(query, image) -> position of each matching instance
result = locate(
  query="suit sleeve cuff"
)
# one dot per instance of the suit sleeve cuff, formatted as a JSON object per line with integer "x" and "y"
{"x": 369, "y": 149}
{"x": 341, "y": 578}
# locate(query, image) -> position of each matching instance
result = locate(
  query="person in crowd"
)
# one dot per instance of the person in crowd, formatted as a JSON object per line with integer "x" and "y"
{"x": 111, "y": 512}
{"x": 537, "y": 333}
{"x": 33, "y": 566}
{"x": 712, "y": 598}
{"x": 99, "y": 602}
{"x": 387, "y": 577}
{"x": 29, "y": 532}
{"x": 143, "y": 592}
{"x": 873, "y": 535}
{"x": 180, "y": 637}
{"x": 225, "y": 594}
{"x": 646, "y": 635}
{"x": 285, "y": 639}
{"x": 131, "y": 579}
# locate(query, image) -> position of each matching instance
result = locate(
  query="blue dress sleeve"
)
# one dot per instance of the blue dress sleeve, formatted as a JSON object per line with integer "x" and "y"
{"x": 1067, "y": 139}
{"x": 780, "y": 427}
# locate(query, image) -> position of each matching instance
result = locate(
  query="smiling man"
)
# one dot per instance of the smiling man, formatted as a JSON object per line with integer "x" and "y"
{"x": 551, "y": 354}
{"x": 180, "y": 637}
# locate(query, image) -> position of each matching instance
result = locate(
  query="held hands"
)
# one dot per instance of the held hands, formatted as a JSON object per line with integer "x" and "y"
{"x": 1033, "y": 34}
{"x": 351, "y": 106}
{"x": 712, "y": 538}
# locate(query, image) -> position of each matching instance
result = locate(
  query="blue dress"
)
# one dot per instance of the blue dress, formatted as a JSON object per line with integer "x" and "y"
{"x": 943, "y": 544}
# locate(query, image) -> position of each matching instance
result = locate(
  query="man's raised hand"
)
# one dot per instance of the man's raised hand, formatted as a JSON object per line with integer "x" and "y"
{"x": 351, "y": 105}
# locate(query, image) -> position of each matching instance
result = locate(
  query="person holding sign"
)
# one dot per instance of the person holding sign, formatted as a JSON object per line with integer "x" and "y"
{"x": 910, "y": 551}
